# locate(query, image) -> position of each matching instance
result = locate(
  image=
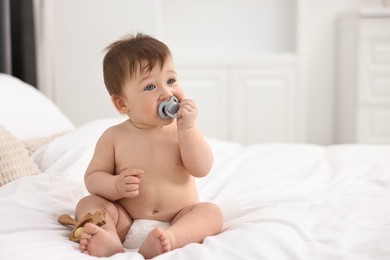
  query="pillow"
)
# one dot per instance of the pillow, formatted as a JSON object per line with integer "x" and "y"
{"x": 27, "y": 113}
{"x": 14, "y": 159}
{"x": 34, "y": 144}
{"x": 69, "y": 155}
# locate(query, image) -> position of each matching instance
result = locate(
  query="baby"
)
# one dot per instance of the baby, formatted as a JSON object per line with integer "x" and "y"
{"x": 145, "y": 167}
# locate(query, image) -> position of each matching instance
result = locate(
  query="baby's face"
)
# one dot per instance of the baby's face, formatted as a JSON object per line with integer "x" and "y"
{"x": 144, "y": 93}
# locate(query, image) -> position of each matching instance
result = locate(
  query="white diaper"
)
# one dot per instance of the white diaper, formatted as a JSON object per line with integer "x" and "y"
{"x": 139, "y": 230}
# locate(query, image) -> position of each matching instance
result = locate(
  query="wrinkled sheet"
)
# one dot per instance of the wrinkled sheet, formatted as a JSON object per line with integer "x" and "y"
{"x": 280, "y": 201}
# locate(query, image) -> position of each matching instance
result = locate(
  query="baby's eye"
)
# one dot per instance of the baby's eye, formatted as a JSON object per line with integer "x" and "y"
{"x": 149, "y": 87}
{"x": 171, "y": 81}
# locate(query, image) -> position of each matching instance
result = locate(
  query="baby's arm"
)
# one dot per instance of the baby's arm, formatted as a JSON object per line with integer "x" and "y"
{"x": 195, "y": 151}
{"x": 100, "y": 179}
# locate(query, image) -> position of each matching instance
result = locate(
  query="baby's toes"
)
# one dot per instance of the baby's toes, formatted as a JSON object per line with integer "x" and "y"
{"x": 85, "y": 237}
{"x": 90, "y": 229}
{"x": 166, "y": 248}
{"x": 164, "y": 242}
{"x": 83, "y": 244}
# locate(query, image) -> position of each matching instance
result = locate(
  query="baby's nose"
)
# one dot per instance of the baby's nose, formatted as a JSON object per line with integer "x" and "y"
{"x": 166, "y": 93}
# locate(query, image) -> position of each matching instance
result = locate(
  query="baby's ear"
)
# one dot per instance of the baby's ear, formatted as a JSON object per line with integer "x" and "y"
{"x": 119, "y": 103}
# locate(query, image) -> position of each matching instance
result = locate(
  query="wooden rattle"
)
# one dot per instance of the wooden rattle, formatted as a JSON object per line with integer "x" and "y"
{"x": 98, "y": 218}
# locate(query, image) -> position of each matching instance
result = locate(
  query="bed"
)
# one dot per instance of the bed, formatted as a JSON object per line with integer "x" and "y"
{"x": 280, "y": 201}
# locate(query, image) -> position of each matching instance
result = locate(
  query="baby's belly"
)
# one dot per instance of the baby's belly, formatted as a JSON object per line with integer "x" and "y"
{"x": 160, "y": 201}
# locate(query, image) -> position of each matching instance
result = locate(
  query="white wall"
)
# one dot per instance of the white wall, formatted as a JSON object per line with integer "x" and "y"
{"x": 75, "y": 33}
{"x": 321, "y": 45}
{"x": 321, "y": 60}
{"x": 228, "y": 28}
{"x": 82, "y": 29}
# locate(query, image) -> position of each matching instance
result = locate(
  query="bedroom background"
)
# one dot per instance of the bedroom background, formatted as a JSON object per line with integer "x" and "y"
{"x": 260, "y": 70}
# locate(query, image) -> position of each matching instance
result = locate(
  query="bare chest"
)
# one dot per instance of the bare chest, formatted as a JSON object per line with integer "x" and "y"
{"x": 153, "y": 155}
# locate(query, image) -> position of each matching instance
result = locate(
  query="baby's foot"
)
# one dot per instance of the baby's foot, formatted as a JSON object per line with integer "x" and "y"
{"x": 157, "y": 242}
{"x": 97, "y": 241}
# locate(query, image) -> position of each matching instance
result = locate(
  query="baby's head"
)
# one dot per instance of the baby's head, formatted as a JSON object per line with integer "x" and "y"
{"x": 128, "y": 57}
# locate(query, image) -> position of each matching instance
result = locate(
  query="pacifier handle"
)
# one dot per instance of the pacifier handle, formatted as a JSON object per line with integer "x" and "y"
{"x": 169, "y": 108}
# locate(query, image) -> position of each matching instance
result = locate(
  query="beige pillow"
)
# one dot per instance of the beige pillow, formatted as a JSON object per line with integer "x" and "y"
{"x": 14, "y": 159}
{"x": 35, "y": 143}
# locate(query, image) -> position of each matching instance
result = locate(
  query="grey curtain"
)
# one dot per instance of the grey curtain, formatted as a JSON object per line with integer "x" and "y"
{"x": 17, "y": 42}
{"x": 5, "y": 37}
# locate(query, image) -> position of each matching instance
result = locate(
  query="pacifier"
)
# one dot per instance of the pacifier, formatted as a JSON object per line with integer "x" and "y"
{"x": 169, "y": 108}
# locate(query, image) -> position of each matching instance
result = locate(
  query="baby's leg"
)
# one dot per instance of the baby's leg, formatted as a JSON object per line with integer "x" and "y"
{"x": 191, "y": 224}
{"x": 106, "y": 240}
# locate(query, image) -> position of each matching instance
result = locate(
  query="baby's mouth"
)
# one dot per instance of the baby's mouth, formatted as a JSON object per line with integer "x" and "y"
{"x": 169, "y": 108}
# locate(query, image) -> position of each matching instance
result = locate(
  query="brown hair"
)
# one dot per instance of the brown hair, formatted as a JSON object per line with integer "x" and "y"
{"x": 127, "y": 57}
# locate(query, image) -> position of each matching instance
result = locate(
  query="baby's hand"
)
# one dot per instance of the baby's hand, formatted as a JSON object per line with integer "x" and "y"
{"x": 187, "y": 114}
{"x": 127, "y": 182}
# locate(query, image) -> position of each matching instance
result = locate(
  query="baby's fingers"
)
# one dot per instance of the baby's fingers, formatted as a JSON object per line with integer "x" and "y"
{"x": 187, "y": 108}
{"x": 131, "y": 180}
{"x": 188, "y": 102}
{"x": 131, "y": 194}
{"x": 132, "y": 172}
{"x": 131, "y": 186}
{"x": 131, "y": 190}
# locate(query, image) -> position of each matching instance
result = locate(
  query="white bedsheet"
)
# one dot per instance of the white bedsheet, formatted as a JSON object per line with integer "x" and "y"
{"x": 280, "y": 201}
